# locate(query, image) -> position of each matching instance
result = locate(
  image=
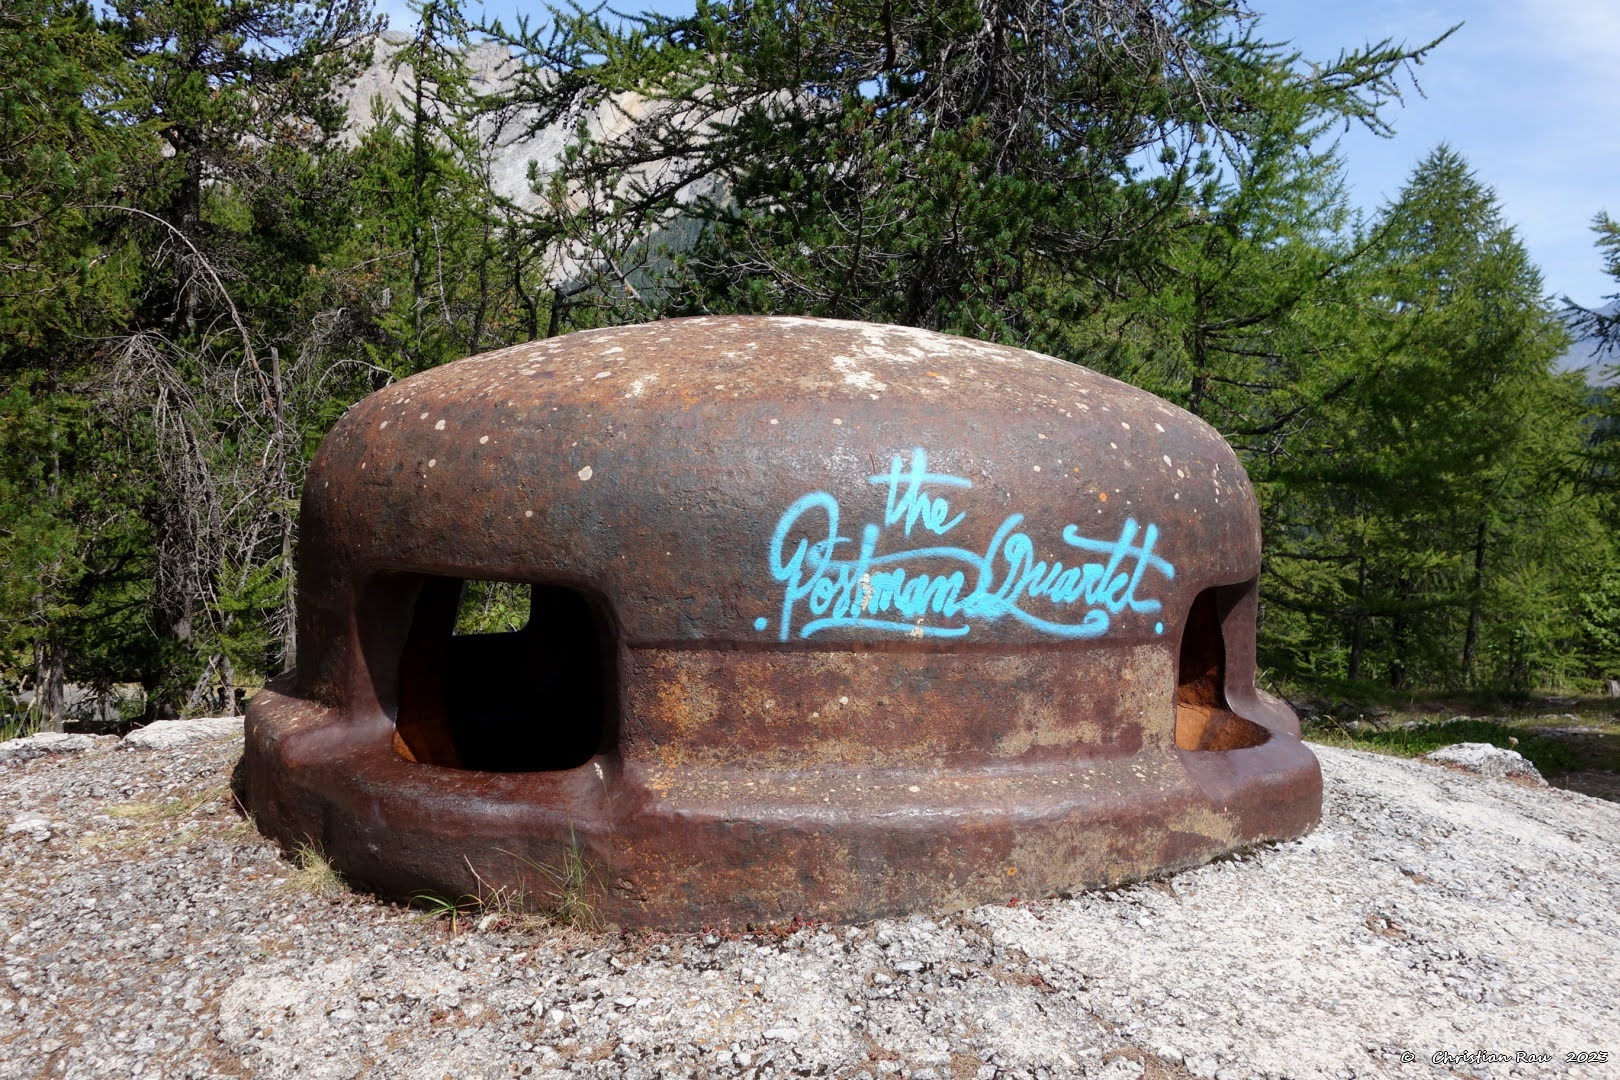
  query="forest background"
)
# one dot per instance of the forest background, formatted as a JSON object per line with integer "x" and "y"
{"x": 205, "y": 262}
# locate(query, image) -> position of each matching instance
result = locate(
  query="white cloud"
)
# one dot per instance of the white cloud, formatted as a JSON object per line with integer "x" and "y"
{"x": 1574, "y": 30}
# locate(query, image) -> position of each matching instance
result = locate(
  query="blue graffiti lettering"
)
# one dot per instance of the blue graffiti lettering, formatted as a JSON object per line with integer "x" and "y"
{"x": 842, "y": 584}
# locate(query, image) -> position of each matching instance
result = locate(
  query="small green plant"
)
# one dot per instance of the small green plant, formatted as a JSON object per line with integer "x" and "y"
{"x": 435, "y": 906}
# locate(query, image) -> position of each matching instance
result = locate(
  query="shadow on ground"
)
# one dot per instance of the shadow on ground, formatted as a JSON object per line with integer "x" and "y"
{"x": 1573, "y": 742}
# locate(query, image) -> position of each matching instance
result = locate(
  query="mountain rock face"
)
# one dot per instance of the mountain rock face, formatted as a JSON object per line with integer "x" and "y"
{"x": 512, "y": 142}
{"x": 1602, "y": 367}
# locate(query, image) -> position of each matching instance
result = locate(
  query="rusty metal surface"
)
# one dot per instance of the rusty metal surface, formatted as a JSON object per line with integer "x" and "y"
{"x": 835, "y": 621}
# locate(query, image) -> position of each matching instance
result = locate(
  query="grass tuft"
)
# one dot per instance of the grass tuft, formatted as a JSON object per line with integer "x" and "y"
{"x": 168, "y": 809}
{"x": 313, "y": 873}
{"x": 566, "y": 900}
{"x": 18, "y": 725}
{"x": 571, "y": 904}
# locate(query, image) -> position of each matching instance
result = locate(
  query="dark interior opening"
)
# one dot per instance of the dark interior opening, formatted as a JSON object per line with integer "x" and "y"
{"x": 533, "y": 698}
{"x": 1204, "y": 721}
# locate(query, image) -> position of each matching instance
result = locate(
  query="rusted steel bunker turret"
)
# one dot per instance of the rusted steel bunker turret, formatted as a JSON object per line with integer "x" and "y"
{"x": 826, "y": 619}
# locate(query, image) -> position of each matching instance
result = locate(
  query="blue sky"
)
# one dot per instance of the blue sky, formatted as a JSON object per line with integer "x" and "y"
{"x": 1527, "y": 90}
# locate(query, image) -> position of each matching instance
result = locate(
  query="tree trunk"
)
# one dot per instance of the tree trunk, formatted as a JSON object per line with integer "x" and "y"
{"x": 486, "y": 254}
{"x": 188, "y": 220}
{"x": 1200, "y": 355}
{"x": 554, "y": 321}
{"x": 529, "y": 300}
{"x": 1358, "y": 625}
{"x": 1398, "y": 636}
{"x": 48, "y": 688}
{"x": 173, "y": 593}
{"x": 1471, "y": 640}
{"x": 286, "y": 522}
{"x": 418, "y": 216}
{"x": 48, "y": 674}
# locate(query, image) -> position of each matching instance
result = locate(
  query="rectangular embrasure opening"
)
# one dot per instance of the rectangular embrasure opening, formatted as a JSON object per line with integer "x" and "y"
{"x": 1204, "y": 720}
{"x": 505, "y": 677}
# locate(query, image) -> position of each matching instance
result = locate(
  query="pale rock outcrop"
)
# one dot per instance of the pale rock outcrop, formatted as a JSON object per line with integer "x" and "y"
{"x": 168, "y": 734}
{"x": 1487, "y": 760}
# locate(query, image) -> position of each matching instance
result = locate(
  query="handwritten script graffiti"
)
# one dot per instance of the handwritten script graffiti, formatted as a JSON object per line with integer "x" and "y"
{"x": 933, "y": 589}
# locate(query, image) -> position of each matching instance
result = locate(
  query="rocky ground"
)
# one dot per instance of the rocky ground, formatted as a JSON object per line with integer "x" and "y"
{"x": 149, "y": 931}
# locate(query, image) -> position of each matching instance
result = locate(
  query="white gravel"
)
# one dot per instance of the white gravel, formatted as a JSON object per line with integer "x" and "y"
{"x": 148, "y": 932}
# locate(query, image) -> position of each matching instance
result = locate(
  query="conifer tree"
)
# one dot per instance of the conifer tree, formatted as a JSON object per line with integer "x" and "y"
{"x": 62, "y": 144}
{"x": 231, "y": 87}
{"x": 1002, "y": 170}
{"x": 1602, "y": 323}
{"x": 1419, "y": 482}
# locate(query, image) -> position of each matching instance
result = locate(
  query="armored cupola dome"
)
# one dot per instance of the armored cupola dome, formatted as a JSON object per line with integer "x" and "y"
{"x": 817, "y": 618}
